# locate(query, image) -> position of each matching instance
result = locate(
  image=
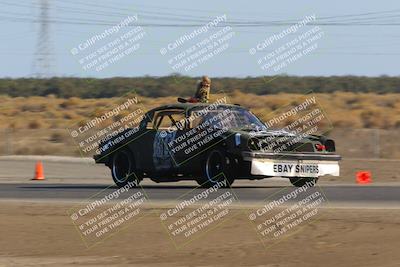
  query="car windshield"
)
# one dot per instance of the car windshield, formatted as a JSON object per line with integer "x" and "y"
{"x": 228, "y": 117}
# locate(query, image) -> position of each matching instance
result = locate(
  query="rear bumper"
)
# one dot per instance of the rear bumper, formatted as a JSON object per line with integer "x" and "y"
{"x": 293, "y": 164}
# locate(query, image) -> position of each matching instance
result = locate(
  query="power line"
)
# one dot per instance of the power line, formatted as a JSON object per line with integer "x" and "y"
{"x": 361, "y": 19}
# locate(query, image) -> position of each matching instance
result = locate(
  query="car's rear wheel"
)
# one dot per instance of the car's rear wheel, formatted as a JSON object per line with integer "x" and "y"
{"x": 123, "y": 168}
{"x": 302, "y": 181}
{"x": 217, "y": 167}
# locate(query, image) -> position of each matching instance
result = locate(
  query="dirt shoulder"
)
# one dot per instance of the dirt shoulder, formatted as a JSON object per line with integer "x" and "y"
{"x": 42, "y": 234}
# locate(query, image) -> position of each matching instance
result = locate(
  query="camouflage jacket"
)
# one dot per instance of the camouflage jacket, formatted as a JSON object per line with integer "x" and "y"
{"x": 203, "y": 94}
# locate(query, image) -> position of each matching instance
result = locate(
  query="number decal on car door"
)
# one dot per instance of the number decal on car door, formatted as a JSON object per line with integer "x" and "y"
{"x": 161, "y": 158}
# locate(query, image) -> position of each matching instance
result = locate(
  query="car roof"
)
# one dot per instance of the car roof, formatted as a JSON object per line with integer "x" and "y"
{"x": 189, "y": 106}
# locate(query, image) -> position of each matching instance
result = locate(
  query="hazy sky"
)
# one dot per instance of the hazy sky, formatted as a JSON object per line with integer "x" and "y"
{"x": 344, "y": 47}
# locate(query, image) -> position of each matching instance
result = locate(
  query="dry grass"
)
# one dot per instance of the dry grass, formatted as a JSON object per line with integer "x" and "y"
{"x": 38, "y": 124}
{"x": 343, "y": 109}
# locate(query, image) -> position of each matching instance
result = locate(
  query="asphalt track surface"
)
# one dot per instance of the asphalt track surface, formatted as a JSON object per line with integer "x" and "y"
{"x": 80, "y": 181}
{"x": 366, "y": 195}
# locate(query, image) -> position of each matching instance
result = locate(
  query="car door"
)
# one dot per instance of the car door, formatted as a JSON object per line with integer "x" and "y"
{"x": 167, "y": 124}
{"x": 143, "y": 145}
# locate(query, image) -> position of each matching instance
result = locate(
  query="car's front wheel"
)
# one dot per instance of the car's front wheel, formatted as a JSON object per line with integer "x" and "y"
{"x": 300, "y": 181}
{"x": 218, "y": 168}
{"x": 123, "y": 168}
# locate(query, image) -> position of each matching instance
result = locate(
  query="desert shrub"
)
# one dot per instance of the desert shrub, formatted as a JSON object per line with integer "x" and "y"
{"x": 32, "y": 107}
{"x": 341, "y": 123}
{"x": 371, "y": 118}
{"x": 35, "y": 124}
{"x": 70, "y": 115}
{"x": 57, "y": 137}
{"x": 70, "y": 103}
{"x": 397, "y": 124}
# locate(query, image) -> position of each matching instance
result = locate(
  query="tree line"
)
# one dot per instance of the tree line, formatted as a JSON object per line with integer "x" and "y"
{"x": 176, "y": 85}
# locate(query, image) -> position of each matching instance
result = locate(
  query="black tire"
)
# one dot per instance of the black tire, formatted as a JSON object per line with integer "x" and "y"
{"x": 301, "y": 181}
{"x": 122, "y": 168}
{"x": 217, "y": 167}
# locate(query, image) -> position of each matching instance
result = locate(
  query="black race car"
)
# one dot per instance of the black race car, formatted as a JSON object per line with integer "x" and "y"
{"x": 211, "y": 143}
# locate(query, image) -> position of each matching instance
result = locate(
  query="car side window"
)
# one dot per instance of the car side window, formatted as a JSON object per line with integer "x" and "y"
{"x": 169, "y": 119}
{"x": 163, "y": 122}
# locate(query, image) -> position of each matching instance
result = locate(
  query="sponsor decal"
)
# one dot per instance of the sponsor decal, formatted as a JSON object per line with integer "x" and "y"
{"x": 296, "y": 168}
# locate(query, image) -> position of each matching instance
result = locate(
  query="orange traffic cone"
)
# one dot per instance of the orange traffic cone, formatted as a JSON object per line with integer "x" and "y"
{"x": 39, "y": 171}
{"x": 363, "y": 177}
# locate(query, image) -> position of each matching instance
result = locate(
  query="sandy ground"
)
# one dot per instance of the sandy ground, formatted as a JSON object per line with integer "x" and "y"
{"x": 41, "y": 234}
